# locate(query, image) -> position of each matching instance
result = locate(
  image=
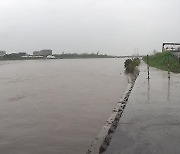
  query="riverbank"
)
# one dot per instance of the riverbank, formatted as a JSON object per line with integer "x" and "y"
{"x": 103, "y": 139}
{"x": 161, "y": 61}
{"x": 16, "y": 56}
{"x": 150, "y": 122}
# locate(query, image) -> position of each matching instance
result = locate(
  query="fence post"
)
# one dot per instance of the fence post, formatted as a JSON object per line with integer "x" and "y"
{"x": 148, "y": 66}
{"x": 168, "y": 68}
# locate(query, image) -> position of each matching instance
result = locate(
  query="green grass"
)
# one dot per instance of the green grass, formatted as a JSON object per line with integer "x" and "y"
{"x": 160, "y": 60}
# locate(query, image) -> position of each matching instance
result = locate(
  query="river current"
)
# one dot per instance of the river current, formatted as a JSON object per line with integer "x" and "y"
{"x": 56, "y": 106}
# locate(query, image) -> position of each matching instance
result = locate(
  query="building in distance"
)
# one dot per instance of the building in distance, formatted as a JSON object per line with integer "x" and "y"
{"x": 2, "y": 53}
{"x": 44, "y": 53}
{"x": 22, "y": 54}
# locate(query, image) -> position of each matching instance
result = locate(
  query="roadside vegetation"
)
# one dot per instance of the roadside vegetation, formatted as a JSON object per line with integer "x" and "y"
{"x": 130, "y": 64}
{"x": 160, "y": 60}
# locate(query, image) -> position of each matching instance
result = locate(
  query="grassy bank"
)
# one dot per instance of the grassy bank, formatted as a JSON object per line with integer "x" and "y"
{"x": 160, "y": 60}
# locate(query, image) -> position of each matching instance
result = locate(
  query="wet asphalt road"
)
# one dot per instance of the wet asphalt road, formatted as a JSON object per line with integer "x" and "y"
{"x": 150, "y": 123}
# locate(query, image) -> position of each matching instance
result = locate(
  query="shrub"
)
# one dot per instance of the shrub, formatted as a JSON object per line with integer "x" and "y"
{"x": 130, "y": 65}
{"x": 127, "y": 62}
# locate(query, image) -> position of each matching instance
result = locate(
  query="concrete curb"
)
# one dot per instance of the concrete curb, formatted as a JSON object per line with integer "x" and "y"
{"x": 103, "y": 139}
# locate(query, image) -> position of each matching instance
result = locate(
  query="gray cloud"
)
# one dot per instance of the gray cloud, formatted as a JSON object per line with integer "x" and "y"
{"x": 114, "y": 27}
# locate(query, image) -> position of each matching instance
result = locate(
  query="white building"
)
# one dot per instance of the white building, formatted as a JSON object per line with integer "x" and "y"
{"x": 51, "y": 57}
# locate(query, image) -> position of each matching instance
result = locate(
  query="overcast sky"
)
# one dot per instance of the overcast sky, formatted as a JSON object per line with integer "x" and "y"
{"x": 116, "y": 27}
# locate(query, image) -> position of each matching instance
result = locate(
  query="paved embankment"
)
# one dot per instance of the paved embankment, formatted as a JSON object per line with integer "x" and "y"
{"x": 101, "y": 142}
{"x": 150, "y": 123}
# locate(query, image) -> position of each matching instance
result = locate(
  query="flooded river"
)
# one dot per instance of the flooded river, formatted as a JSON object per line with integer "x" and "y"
{"x": 56, "y": 106}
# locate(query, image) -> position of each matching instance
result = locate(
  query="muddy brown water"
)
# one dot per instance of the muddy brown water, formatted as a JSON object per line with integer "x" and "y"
{"x": 56, "y": 106}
